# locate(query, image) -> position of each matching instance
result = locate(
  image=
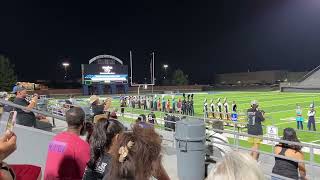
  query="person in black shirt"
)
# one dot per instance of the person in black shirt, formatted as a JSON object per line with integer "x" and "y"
{"x": 24, "y": 117}
{"x": 255, "y": 117}
{"x": 103, "y": 136}
{"x": 288, "y": 168}
{"x": 98, "y": 108}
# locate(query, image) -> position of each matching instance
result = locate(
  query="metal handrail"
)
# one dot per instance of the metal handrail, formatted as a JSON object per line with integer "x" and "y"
{"x": 309, "y": 74}
{"x": 9, "y": 103}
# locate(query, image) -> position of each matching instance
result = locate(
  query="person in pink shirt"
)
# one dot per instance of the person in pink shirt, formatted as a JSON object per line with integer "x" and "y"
{"x": 68, "y": 154}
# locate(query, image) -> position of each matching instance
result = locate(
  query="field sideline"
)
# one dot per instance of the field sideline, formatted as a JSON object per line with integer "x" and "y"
{"x": 279, "y": 107}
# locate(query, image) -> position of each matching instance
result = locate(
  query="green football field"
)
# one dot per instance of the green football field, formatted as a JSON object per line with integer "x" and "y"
{"x": 279, "y": 107}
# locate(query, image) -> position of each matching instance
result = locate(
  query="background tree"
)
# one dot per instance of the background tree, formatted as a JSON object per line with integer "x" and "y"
{"x": 7, "y": 75}
{"x": 179, "y": 78}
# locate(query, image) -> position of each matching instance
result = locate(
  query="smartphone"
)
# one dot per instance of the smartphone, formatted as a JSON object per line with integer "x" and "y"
{"x": 11, "y": 120}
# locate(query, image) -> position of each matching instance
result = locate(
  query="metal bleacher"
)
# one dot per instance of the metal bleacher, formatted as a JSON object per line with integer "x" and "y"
{"x": 309, "y": 82}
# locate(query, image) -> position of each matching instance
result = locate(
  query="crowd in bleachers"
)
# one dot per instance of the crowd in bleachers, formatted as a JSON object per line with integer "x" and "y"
{"x": 113, "y": 152}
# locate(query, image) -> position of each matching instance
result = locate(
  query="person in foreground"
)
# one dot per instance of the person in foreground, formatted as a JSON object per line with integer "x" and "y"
{"x": 105, "y": 133}
{"x": 255, "y": 118}
{"x": 8, "y": 144}
{"x": 236, "y": 166}
{"x": 136, "y": 155}
{"x": 288, "y": 168}
{"x": 68, "y": 154}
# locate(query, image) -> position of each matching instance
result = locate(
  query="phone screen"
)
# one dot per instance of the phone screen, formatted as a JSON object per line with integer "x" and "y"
{"x": 11, "y": 120}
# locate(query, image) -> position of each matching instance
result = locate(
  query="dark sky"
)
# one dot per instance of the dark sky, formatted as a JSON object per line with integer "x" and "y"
{"x": 200, "y": 37}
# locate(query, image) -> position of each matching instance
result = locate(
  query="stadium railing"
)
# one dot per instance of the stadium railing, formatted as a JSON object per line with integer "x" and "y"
{"x": 312, "y": 166}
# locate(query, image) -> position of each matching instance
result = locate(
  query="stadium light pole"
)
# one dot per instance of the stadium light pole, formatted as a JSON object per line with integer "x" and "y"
{"x": 165, "y": 66}
{"x": 65, "y": 65}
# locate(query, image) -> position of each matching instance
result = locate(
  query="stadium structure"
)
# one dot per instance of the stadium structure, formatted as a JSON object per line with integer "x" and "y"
{"x": 104, "y": 73}
{"x": 308, "y": 83}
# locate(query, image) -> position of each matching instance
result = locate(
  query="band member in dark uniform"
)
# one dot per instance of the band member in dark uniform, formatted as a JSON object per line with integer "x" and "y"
{"x": 234, "y": 107}
{"x": 188, "y": 105}
{"x": 191, "y": 106}
{"x": 220, "y": 108}
{"x": 184, "y": 103}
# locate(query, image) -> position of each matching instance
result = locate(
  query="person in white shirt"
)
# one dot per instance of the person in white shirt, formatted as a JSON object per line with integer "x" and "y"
{"x": 205, "y": 108}
{"x": 311, "y": 120}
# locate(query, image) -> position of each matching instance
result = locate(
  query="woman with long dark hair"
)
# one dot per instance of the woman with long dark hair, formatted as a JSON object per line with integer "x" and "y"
{"x": 136, "y": 155}
{"x": 103, "y": 136}
{"x": 289, "y": 168}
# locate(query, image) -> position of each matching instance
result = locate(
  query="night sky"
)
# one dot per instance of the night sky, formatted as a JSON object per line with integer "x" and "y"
{"x": 202, "y": 38}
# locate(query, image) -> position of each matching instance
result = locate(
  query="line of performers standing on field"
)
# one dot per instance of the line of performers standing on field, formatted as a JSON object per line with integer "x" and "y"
{"x": 154, "y": 103}
{"x": 220, "y": 110}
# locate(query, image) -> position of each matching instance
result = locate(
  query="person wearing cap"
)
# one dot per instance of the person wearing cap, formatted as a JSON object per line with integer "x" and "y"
{"x": 17, "y": 85}
{"x": 98, "y": 108}
{"x": 255, "y": 117}
{"x": 24, "y": 117}
{"x": 311, "y": 118}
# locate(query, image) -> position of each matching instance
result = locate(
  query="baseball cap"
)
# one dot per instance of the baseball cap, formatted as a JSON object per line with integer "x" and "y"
{"x": 17, "y": 89}
{"x": 93, "y": 98}
{"x": 254, "y": 102}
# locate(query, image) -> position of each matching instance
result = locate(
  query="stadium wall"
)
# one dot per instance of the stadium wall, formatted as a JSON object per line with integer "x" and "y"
{"x": 260, "y": 77}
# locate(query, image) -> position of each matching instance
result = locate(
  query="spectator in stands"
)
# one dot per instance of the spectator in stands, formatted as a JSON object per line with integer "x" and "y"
{"x": 152, "y": 118}
{"x": 236, "y": 166}
{"x": 72, "y": 99}
{"x": 68, "y": 153}
{"x": 288, "y": 168}
{"x": 104, "y": 135}
{"x": 136, "y": 155}
{"x": 97, "y": 107}
{"x": 311, "y": 120}
{"x": 142, "y": 122}
{"x": 25, "y": 117}
{"x": 255, "y": 117}
{"x": 299, "y": 117}
{"x": 15, "y": 88}
{"x": 217, "y": 137}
